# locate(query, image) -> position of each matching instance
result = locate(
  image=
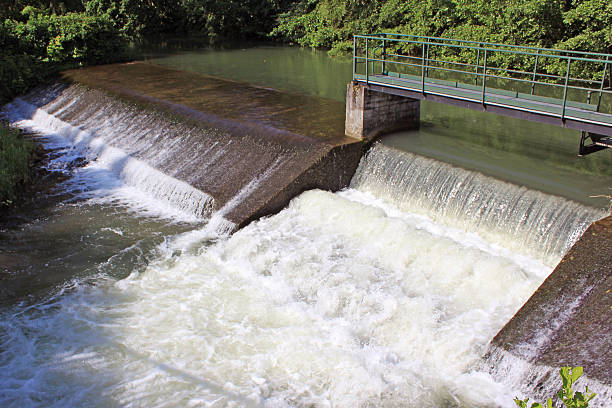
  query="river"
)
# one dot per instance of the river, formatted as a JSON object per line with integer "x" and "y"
{"x": 384, "y": 294}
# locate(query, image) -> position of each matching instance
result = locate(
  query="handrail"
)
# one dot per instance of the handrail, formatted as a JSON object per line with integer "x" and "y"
{"x": 593, "y": 81}
{"x": 485, "y": 67}
{"x": 563, "y": 57}
{"x": 486, "y": 43}
{"x": 494, "y": 76}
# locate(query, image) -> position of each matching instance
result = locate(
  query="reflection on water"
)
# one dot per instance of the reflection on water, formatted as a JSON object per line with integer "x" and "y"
{"x": 281, "y": 67}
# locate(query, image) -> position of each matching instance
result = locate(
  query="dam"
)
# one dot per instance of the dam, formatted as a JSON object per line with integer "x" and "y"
{"x": 388, "y": 292}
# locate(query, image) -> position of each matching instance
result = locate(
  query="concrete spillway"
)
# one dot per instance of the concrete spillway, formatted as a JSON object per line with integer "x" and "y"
{"x": 226, "y": 140}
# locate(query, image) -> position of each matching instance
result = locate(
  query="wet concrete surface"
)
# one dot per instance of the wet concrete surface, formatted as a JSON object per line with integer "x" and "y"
{"x": 566, "y": 322}
{"x": 251, "y": 148}
{"x": 205, "y": 97}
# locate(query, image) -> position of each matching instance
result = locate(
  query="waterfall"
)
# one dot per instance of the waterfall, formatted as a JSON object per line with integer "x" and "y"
{"x": 524, "y": 220}
{"x": 192, "y": 164}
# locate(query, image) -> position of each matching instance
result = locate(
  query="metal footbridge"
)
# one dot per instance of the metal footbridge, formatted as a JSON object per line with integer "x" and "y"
{"x": 572, "y": 89}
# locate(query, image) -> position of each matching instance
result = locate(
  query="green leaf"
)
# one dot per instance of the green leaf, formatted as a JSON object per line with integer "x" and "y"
{"x": 566, "y": 376}
{"x": 576, "y": 373}
{"x": 521, "y": 403}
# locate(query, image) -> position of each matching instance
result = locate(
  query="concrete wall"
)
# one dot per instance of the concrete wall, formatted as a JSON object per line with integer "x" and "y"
{"x": 370, "y": 114}
{"x": 566, "y": 322}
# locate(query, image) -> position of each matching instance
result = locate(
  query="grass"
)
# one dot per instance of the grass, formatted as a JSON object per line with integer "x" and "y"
{"x": 15, "y": 155}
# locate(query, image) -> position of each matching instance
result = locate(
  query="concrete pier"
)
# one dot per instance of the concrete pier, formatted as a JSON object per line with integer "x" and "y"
{"x": 370, "y": 113}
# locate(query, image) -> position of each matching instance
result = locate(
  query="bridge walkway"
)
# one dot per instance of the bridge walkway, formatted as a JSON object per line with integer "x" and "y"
{"x": 472, "y": 74}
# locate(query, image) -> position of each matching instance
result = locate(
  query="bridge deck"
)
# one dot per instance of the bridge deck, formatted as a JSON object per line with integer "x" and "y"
{"x": 580, "y": 108}
{"x": 574, "y": 111}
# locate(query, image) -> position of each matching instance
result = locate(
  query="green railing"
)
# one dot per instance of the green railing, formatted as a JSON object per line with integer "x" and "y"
{"x": 565, "y": 79}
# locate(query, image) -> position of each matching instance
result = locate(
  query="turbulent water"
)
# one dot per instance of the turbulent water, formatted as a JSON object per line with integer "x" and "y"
{"x": 385, "y": 294}
{"x": 338, "y": 300}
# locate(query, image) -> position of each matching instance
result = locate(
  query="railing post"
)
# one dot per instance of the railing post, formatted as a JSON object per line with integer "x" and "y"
{"x": 366, "y": 62}
{"x": 384, "y": 55}
{"x": 603, "y": 79}
{"x": 484, "y": 76}
{"x": 565, "y": 89}
{"x": 423, "y": 69}
{"x": 354, "y": 56}
{"x": 535, "y": 71}
{"x": 477, "y": 63}
{"x": 427, "y": 60}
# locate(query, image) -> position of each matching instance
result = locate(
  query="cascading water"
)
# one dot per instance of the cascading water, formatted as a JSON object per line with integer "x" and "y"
{"x": 187, "y": 161}
{"x": 93, "y": 145}
{"x": 524, "y": 220}
{"x": 385, "y": 294}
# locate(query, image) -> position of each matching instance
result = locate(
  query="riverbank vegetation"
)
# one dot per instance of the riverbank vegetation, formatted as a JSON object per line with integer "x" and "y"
{"x": 564, "y": 24}
{"x": 15, "y": 157}
{"x": 37, "y": 44}
{"x": 39, "y": 37}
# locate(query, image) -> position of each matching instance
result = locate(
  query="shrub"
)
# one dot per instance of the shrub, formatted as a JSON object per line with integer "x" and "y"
{"x": 35, "y": 49}
{"x": 15, "y": 154}
{"x": 566, "y": 394}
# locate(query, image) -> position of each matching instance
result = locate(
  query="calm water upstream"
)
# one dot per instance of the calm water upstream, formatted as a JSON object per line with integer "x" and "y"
{"x": 385, "y": 294}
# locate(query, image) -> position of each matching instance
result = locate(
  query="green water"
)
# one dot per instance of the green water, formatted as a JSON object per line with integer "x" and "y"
{"x": 539, "y": 156}
{"x": 293, "y": 69}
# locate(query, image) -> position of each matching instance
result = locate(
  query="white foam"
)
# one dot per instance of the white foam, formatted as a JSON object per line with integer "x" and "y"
{"x": 110, "y": 174}
{"x": 332, "y": 302}
{"x": 524, "y": 221}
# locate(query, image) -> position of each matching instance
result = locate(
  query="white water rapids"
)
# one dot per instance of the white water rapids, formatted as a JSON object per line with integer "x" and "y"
{"x": 332, "y": 302}
{"x": 340, "y": 300}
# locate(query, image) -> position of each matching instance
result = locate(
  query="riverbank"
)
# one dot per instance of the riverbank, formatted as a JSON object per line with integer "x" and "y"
{"x": 17, "y": 156}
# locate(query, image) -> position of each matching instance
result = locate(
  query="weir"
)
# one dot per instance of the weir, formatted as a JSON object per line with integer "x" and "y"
{"x": 214, "y": 138}
{"x": 411, "y": 269}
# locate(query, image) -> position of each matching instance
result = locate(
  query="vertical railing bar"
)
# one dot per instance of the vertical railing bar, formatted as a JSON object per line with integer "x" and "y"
{"x": 423, "y": 69}
{"x": 384, "y": 56}
{"x": 565, "y": 88}
{"x": 354, "y": 56}
{"x": 484, "y": 75}
{"x": 603, "y": 79}
{"x": 366, "y": 62}
{"x": 427, "y": 60}
{"x": 477, "y": 63}
{"x": 535, "y": 71}
{"x": 373, "y": 51}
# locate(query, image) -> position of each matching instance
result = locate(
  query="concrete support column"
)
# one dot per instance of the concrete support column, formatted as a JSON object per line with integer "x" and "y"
{"x": 370, "y": 114}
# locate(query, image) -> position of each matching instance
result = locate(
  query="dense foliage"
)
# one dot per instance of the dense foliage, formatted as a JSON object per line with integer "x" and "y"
{"x": 566, "y": 24}
{"x": 40, "y": 43}
{"x": 38, "y": 36}
{"x": 215, "y": 19}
